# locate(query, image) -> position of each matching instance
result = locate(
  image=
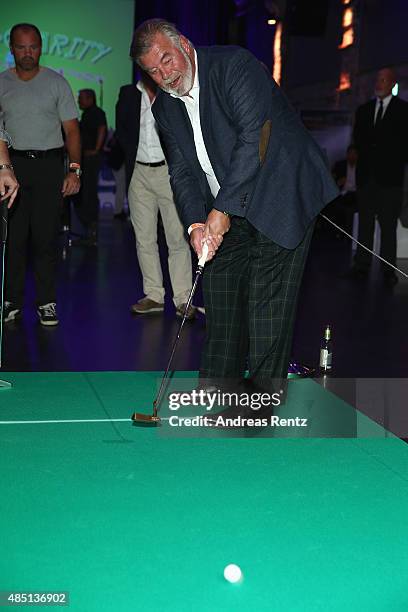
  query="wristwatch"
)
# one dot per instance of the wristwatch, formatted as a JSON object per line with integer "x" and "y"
{"x": 76, "y": 168}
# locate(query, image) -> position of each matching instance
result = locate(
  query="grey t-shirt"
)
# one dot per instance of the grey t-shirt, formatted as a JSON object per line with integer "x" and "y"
{"x": 32, "y": 111}
{"x": 5, "y": 137}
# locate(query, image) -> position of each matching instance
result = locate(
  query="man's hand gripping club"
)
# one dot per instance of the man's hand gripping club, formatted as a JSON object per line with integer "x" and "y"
{"x": 212, "y": 233}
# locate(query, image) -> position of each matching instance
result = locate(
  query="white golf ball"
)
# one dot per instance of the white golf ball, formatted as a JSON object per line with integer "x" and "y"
{"x": 233, "y": 573}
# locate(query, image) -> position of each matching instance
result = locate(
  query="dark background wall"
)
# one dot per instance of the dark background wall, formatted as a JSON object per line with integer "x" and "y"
{"x": 312, "y": 57}
{"x": 205, "y": 22}
{"x": 382, "y": 38}
{"x": 209, "y": 22}
{"x": 384, "y": 33}
{"x": 312, "y": 32}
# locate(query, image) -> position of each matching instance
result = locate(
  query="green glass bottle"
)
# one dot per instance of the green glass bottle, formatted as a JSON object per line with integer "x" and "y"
{"x": 326, "y": 351}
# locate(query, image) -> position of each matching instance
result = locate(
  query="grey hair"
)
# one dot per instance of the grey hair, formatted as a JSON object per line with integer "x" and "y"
{"x": 143, "y": 36}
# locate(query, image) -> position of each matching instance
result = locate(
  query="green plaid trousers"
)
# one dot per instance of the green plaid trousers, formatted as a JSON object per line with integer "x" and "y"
{"x": 250, "y": 293}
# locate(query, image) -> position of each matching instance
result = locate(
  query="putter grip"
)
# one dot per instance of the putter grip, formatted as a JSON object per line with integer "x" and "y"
{"x": 204, "y": 254}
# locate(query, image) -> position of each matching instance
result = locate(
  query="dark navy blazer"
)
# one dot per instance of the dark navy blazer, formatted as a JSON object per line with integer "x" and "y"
{"x": 128, "y": 125}
{"x": 269, "y": 168}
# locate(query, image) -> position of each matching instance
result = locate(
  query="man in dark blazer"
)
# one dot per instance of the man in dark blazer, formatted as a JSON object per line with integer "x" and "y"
{"x": 342, "y": 209}
{"x": 381, "y": 138}
{"x": 249, "y": 180}
{"x": 127, "y": 125}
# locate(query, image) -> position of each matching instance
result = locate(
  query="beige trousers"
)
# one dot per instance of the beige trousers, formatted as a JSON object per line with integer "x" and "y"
{"x": 149, "y": 193}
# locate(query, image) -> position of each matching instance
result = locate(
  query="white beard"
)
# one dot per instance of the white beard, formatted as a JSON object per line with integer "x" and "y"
{"x": 186, "y": 82}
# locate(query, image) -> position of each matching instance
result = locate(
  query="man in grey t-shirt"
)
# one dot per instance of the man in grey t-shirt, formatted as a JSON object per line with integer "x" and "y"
{"x": 36, "y": 104}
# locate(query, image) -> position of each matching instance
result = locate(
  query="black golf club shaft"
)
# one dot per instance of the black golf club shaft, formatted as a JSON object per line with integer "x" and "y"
{"x": 3, "y": 233}
{"x": 199, "y": 271}
{"x": 156, "y": 402}
{"x": 4, "y": 218}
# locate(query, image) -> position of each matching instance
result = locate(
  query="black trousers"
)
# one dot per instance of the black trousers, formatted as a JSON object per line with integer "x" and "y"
{"x": 384, "y": 203}
{"x": 35, "y": 214}
{"x": 87, "y": 201}
{"x": 342, "y": 210}
{"x": 250, "y": 292}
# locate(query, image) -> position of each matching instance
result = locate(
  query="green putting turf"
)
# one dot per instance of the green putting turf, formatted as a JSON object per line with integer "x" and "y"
{"x": 130, "y": 518}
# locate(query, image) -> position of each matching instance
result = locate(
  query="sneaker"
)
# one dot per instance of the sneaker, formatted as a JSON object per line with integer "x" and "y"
{"x": 11, "y": 312}
{"x": 145, "y": 306}
{"x": 48, "y": 314}
{"x": 191, "y": 312}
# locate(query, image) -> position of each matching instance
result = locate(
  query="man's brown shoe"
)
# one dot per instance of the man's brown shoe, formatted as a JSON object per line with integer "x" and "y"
{"x": 146, "y": 306}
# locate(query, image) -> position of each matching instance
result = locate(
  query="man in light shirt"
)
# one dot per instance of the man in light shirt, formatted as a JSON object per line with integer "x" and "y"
{"x": 381, "y": 138}
{"x": 150, "y": 193}
{"x": 249, "y": 180}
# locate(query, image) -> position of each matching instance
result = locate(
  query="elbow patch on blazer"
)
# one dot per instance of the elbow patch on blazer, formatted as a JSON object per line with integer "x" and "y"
{"x": 264, "y": 140}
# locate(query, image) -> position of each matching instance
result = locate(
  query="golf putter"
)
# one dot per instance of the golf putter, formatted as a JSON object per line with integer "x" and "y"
{"x": 153, "y": 419}
{"x": 3, "y": 228}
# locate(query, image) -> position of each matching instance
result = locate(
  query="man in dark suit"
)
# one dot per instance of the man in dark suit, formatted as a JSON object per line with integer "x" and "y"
{"x": 93, "y": 128}
{"x": 127, "y": 125}
{"x": 249, "y": 180}
{"x": 381, "y": 138}
{"x": 342, "y": 209}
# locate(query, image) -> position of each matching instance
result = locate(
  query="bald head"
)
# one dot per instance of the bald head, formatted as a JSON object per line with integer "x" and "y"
{"x": 385, "y": 82}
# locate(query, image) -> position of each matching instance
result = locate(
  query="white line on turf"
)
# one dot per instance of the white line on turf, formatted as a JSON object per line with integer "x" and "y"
{"x": 72, "y": 421}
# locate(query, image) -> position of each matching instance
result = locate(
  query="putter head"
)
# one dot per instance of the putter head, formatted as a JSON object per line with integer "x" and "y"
{"x": 145, "y": 419}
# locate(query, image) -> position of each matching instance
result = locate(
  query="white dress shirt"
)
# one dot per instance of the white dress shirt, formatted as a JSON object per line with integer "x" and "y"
{"x": 149, "y": 149}
{"x": 192, "y": 104}
{"x": 385, "y": 102}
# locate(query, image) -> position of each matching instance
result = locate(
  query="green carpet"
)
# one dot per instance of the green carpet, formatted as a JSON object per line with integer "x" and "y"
{"x": 128, "y": 518}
